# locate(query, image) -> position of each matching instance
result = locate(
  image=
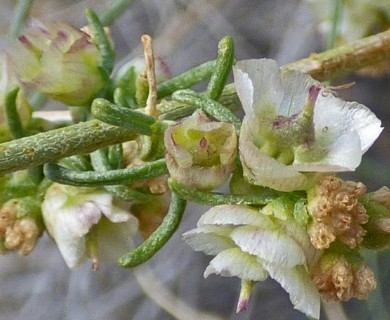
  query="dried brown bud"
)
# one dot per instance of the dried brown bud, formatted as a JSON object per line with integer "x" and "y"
{"x": 338, "y": 280}
{"x": 7, "y": 216}
{"x": 22, "y": 236}
{"x": 336, "y": 212}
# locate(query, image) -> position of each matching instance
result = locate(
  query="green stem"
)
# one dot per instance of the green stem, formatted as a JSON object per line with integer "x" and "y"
{"x": 213, "y": 199}
{"x": 130, "y": 195}
{"x": 100, "y": 163}
{"x": 114, "y": 11}
{"x": 11, "y": 112}
{"x": 122, "y": 117}
{"x": 211, "y": 107}
{"x": 19, "y": 17}
{"x": 53, "y": 145}
{"x": 186, "y": 79}
{"x": 62, "y": 175}
{"x": 159, "y": 237}
{"x": 223, "y": 67}
{"x": 16, "y": 128}
{"x": 103, "y": 44}
{"x": 115, "y": 156}
{"x": 336, "y": 14}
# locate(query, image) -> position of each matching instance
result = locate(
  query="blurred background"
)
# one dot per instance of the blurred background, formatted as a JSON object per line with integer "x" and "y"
{"x": 185, "y": 34}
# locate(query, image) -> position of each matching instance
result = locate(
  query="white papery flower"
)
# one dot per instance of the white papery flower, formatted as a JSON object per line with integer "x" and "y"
{"x": 251, "y": 246}
{"x": 70, "y": 214}
{"x": 293, "y": 127}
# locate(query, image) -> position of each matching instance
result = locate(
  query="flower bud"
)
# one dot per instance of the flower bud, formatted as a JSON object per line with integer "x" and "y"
{"x": 60, "y": 62}
{"x": 200, "y": 152}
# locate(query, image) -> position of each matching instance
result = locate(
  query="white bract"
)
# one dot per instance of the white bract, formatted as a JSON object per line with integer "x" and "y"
{"x": 294, "y": 128}
{"x": 251, "y": 246}
{"x": 70, "y": 214}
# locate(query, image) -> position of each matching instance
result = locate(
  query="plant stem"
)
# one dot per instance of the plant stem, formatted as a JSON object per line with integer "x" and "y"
{"x": 158, "y": 238}
{"x": 114, "y": 11}
{"x": 122, "y": 117}
{"x": 19, "y": 18}
{"x": 345, "y": 59}
{"x": 336, "y": 14}
{"x": 213, "y": 199}
{"x": 223, "y": 67}
{"x": 56, "y": 144}
{"x": 111, "y": 177}
{"x": 11, "y": 112}
{"x": 100, "y": 163}
{"x": 211, "y": 107}
{"x": 186, "y": 79}
{"x": 106, "y": 51}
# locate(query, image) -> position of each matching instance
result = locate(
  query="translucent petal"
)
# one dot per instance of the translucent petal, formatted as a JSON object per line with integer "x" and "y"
{"x": 343, "y": 154}
{"x": 258, "y": 85}
{"x": 235, "y": 263}
{"x": 114, "y": 239}
{"x": 296, "y": 281}
{"x": 209, "y": 239}
{"x": 343, "y": 132}
{"x": 341, "y": 117}
{"x": 235, "y": 215}
{"x": 296, "y": 87}
{"x": 269, "y": 245}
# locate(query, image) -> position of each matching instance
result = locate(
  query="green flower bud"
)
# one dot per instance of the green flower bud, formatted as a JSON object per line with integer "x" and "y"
{"x": 59, "y": 61}
{"x": 200, "y": 152}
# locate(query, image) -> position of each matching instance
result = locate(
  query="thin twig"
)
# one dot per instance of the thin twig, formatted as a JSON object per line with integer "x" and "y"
{"x": 151, "y": 103}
